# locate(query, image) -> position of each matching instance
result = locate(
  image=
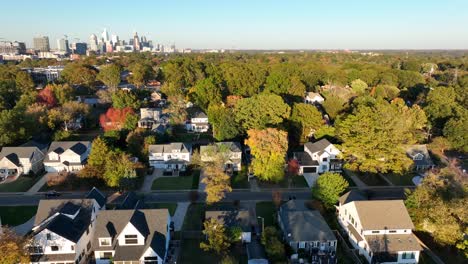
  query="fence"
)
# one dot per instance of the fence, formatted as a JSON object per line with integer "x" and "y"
{"x": 351, "y": 252}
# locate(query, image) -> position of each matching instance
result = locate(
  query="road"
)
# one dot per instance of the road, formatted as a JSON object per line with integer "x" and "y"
{"x": 12, "y": 199}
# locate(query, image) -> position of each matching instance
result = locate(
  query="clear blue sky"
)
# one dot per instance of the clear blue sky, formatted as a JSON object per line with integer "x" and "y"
{"x": 249, "y": 24}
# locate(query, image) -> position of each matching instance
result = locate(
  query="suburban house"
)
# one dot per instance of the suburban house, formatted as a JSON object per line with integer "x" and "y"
{"x": 420, "y": 156}
{"x": 153, "y": 119}
{"x": 231, "y": 152}
{"x": 313, "y": 98}
{"x": 381, "y": 230}
{"x": 63, "y": 231}
{"x": 170, "y": 157}
{"x": 305, "y": 229}
{"x": 317, "y": 158}
{"x": 132, "y": 236}
{"x": 198, "y": 123}
{"x": 67, "y": 156}
{"x": 15, "y": 161}
{"x": 97, "y": 195}
{"x": 234, "y": 218}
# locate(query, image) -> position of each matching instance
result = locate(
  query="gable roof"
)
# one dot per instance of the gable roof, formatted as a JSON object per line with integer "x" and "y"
{"x": 78, "y": 147}
{"x": 130, "y": 201}
{"x": 231, "y": 218}
{"x": 13, "y": 154}
{"x": 383, "y": 214}
{"x": 320, "y": 145}
{"x": 97, "y": 195}
{"x": 168, "y": 148}
{"x": 303, "y": 224}
{"x": 199, "y": 114}
{"x": 353, "y": 195}
{"x": 152, "y": 224}
{"x": 414, "y": 150}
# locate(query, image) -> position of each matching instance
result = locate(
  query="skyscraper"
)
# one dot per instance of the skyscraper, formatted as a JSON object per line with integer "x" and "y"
{"x": 41, "y": 43}
{"x": 79, "y": 48}
{"x": 93, "y": 43}
{"x": 62, "y": 45}
{"x": 105, "y": 36}
{"x": 136, "y": 42}
{"x": 115, "y": 39}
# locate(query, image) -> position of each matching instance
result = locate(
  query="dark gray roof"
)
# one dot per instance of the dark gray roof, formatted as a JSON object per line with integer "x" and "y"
{"x": 304, "y": 159}
{"x": 97, "y": 195}
{"x": 353, "y": 195}
{"x": 79, "y": 147}
{"x": 53, "y": 257}
{"x": 231, "y": 218}
{"x": 70, "y": 208}
{"x": 15, "y": 153}
{"x": 152, "y": 223}
{"x": 302, "y": 224}
{"x": 168, "y": 148}
{"x": 317, "y": 146}
{"x": 199, "y": 114}
{"x": 47, "y": 208}
{"x": 130, "y": 201}
{"x": 419, "y": 150}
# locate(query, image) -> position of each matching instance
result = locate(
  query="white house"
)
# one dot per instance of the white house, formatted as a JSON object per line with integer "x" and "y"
{"x": 317, "y": 158}
{"x": 234, "y": 218}
{"x": 231, "y": 152}
{"x": 15, "y": 161}
{"x": 67, "y": 156}
{"x": 420, "y": 156}
{"x": 63, "y": 231}
{"x": 313, "y": 98}
{"x": 381, "y": 230}
{"x": 132, "y": 236}
{"x": 198, "y": 123}
{"x": 170, "y": 157}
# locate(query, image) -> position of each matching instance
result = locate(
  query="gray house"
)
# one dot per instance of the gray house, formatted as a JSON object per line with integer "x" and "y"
{"x": 420, "y": 156}
{"x": 307, "y": 230}
{"x": 15, "y": 161}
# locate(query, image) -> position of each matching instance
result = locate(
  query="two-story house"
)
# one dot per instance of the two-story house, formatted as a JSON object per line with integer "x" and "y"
{"x": 420, "y": 155}
{"x": 132, "y": 236}
{"x": 307, "y": 230}
{"x": 170, "y": 157}
{"x": 317, "y": 158}
{"x": 15, "y": 161}
{"x": 67, "y": 156}
{"x": 149, "y": 117}
{"x": 231, "y": 153}
{"x": 63, "y": 231}
{"x": 198, "y": 123}
{"x": 381, "y": 230}
{"x": 234, "y": 218}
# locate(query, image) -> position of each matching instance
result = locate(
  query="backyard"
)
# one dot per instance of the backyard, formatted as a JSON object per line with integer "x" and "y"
{"x": 401, "y": 179}
{"x": 177, "y": 183}
{"x": 16, "y": 215}
{"x": 191, "y": 253}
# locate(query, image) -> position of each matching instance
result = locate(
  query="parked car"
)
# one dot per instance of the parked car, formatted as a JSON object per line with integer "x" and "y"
{"x": 52, "y": 194}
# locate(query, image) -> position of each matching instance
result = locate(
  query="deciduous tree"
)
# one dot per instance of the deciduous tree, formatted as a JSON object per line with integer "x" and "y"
{"x": 110, "y": 75}
{"x": 328, "y": 188}
{"x": 13, "y": 247}
{"x": 306, "y": 119}
{"x": 217, "y": 239}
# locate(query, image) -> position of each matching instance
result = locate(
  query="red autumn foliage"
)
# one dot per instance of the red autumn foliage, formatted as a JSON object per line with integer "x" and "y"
{"x": 114, "y": 118}
{"x": 47, "y": 97}
{"x": 293, "y": 166}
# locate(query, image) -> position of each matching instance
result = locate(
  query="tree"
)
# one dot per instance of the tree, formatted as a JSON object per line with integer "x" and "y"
{"x": 273, "y": 246}
{"x": 456, "y": 131}
{"x": 62, "y": 92}
{"x": 375, "y": 133}
{"x": 334, "y": 105}
{"x": 118, "y": 168}
{"x": 67, "y": 114}
{"x": 98, "y": 155}
{"x": 47, "y": 97}
{"x": 441, "y": 104}
{"x": 223, "y": 122}
{"x": 123, "y": 99}
{"x": 217, "y": 239}
{"x": 388, "y": 92}
{"x": 13, "y": 247}
{"x": 268, "y": 148}
{"x": 140, "y": 73}
{"x": 24, "y": 81}
{"x": 328, "y": 188}
{"x": 244, "y": 79}
{"x": 115, "y": 119}
{"x": 11, "y": 127}
{"x": 359, "y": 86}
{"x": 8, "y": 94}
{"x": 79, "y": 74}
{"x": 110, "y": 75}
{"x": 205, "y": 92}
{"x": 306, "y": 119}
{"x": 273, "y": 111}
{"x": 177, "y": 110}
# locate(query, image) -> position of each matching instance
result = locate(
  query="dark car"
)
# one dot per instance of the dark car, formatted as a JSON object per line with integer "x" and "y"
{"x": 52, "y": 194}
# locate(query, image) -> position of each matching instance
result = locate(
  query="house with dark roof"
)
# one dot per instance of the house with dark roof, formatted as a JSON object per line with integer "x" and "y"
{"x": 132, "y": 236}
{"x": 381, "y": 230}
{"x": 198, "y": 123}
{"x": 317, "y": 158}
{"x": 67, "y": 156}
{"x": 97, "y": 195}
{"x": 170, "y": 157}
{"x": 420, "y": 156}
{"x": 307, "y": 230}
{"x": 15, "y": 161}
{"x": 231, "y": 153}
{"x": 234, "y": 218}
{"x": 63, "y": 231}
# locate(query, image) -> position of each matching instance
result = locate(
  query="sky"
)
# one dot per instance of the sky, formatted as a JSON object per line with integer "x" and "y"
{"x": 247, "y": 24}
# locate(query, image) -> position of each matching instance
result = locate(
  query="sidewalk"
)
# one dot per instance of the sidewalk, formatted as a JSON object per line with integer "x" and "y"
{"x": 149, "y": 179}
{"x": 179, "y": 215}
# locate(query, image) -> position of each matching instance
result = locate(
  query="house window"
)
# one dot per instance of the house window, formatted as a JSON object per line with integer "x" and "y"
{"x": 131, "y": 239}
{"x": 302, "y": 244}
{"x": 104, "y": 242}
{"x": 72, "y": 248}
{"x": 49, "y": 237}
{"x": 88, "y": 246}
{"x": 105, "y": 255}
{"x": 324, "y": 159}
{"x": 408, "y": 255}
{"x": 54, "y": 248}
{"x": 392, "y": 231}
{"x": 36, "y": 250}
{"x": 375, "y": 232}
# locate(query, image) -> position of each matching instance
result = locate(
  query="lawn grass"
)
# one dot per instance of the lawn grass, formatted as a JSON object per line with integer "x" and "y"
{"x": 16, "y": 215}
{"x": 170, "y": 206}
{"x": 22, "y": 184}
{"x": 371, "y": 179}
{"x": 401, "y": 179}
{"x": 239, "y": 179}
{"x": 267, "y": 210}
{"x": 194, "y": 217}
{"x": 191, "y": 253}
{"x": 296, "y": 182}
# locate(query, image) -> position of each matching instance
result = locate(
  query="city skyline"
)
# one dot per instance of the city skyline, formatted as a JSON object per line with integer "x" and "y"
{"x": 258, "y": 25}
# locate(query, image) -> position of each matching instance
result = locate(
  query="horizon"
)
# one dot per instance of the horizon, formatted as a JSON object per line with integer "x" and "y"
{"x": 262, "y": 25}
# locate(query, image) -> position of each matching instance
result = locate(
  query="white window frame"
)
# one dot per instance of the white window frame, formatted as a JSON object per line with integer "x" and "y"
{"x": 302, "y": 244}
{"x": 101, "y": 239}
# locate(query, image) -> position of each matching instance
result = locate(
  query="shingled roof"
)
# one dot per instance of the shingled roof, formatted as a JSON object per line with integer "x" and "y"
{"x": 79, "y": 147}
{"x": 168, "y": 148}
{"x": 13, "y": 154}
{"x": 317, "y": 146}
{"x": 383, "y": 214}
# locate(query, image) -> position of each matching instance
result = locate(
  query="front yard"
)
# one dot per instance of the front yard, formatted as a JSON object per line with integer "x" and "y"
{"x": 177, "y": 183}
{"x": 267, "y": 210}
{"x": 16, "y": 215}
{"x": 170, "y": 206}
{"x": 287, "y": 182}
{"x": 22, "y": 184}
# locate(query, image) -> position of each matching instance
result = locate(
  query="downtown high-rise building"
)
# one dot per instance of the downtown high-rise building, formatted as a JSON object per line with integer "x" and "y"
{"x": 41, "y": 43}
{"x": 93, "y": 43}
{"x": 105, "y": 36}
{"x": 115, "y": 39}
{"x": 79, "y": 48}
{"x": 62, "y": 45}
{"x": 136, "y": 42}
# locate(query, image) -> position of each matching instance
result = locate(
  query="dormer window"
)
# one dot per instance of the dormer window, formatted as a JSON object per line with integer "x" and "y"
{"x": 105, "y": 242}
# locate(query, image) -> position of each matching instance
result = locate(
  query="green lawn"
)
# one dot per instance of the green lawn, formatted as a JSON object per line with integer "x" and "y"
{"x": 371, "y": 179}
{"x": 266, "y": 210}
{"x": 401, "y": 179}
{"x": 177, "y": 183}
{"x": 296, "y": 182}
{"x": 239, "y": 179}
{"x": 170, "y": 206}
{"x": 194, "y": 217}
{"x": 191, "y": 253}
{"x": 16, "y": 215}
{"x": 22, "y": 184}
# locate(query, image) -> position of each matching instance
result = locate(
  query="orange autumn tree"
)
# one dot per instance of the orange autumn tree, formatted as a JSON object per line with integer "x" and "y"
{"x": 47, "y": 97}
{"x": 268, "y": 147}
{"x": 116, "y": 119}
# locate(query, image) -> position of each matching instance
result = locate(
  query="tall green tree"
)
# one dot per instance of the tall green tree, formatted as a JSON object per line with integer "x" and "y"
{"x": 329, "y": 187}
{"x": 110, "y": 75}
{"x": 334, "y": 105}
{"x": 223, "y": 121}
{"x": 217, "y": 239}
{"x": 206, "y": 92}
{"x": 306, "y": 120}
{"x": 122, "y": 99}
{"x": 78, "y": 73}
{"x": 141, "y": 73}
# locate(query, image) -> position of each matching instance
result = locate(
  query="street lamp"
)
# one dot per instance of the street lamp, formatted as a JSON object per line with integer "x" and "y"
{"x": 263, "y": 222}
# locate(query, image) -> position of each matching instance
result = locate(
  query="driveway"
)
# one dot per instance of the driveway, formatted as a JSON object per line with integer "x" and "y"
{"x": 201, "y": 185}
{"x": 179, "y": 215}
{"x": 149, "y": 179}
{"x": 23, "y": 229}
{"x": 38, "y": 185}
